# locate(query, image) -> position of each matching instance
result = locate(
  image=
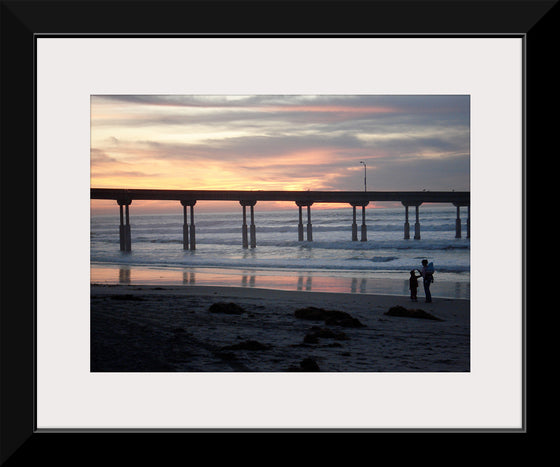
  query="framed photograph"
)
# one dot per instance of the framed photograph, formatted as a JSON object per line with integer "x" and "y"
{"x": 176, "y": 168}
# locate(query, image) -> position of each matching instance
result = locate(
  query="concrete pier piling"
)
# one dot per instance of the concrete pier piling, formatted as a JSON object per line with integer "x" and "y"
{"x": 363, "y": 227}
{"x": 185, "y": 229}
{"x": 354, "y": 225}
{"x": 300, "y": 224}
{"x": 406, "y": 223}
{"x": 458, "y": 231}
{"x": 417, "y": 223}
{"x": 363, "y": 237}
{"x": 244, "y": 229}
{"x": 309, "y": 229}
{"x": 252, "y": 228}
{"x": 192, "y": 232}
{"x": 416, "y": 205}
{"x": 309, "y": 225}
{"x": 189, "y": 235}
{"x": 458, "y": 223}
{"x": 124, "y": 227}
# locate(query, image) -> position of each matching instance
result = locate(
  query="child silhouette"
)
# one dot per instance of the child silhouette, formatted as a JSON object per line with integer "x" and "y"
{"x": 413, "y": 281}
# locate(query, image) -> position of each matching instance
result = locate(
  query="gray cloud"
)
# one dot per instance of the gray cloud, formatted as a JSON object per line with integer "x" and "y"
{"x": 408, "y": 141}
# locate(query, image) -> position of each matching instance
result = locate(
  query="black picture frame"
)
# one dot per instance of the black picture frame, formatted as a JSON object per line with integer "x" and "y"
{"x": 23, "y": 21}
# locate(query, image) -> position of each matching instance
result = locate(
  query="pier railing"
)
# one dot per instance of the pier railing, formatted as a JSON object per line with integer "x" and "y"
{"x": 188, "y": 198}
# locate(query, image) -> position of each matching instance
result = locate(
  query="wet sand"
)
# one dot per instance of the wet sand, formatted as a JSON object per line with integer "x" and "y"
{"x": 448, "y": 285}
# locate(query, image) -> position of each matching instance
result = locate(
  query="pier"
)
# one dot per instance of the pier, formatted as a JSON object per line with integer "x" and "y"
{"x": 249, "y": 199}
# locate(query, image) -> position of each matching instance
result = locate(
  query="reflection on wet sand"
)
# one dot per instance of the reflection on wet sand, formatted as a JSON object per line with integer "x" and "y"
{"x": 308, "y": 282}
{"x": 361, "y": 288}
{"x": 124, "y": 276}
{"x": 248, "y": 280}
{"x": 189, "y": 278}
{"x": 277, "y": 280}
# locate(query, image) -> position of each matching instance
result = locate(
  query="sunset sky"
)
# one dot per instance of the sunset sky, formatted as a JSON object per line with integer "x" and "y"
{"x": 279, "y": 143}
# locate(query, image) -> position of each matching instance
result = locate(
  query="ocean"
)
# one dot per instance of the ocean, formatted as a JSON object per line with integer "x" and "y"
{"x": 331, "y": 262}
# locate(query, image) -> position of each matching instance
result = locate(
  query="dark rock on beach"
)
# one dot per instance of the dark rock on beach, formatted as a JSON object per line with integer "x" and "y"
{"x": 410, "y": 313}
{"x": 227, "y": 308}
{"x": 330, "y": 317}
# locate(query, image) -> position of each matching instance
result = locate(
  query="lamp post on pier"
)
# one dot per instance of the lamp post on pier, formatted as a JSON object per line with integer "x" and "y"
{"x": 365, "y": 175}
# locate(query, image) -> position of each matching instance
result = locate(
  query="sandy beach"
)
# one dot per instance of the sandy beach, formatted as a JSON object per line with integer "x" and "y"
{"x": 147, "y": 328}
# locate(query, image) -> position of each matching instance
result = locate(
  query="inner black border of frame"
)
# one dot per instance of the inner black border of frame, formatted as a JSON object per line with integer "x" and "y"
{"x": 22, "y": 22}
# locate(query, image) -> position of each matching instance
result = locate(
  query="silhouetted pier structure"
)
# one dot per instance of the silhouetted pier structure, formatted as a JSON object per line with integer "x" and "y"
{"x": 189, "y": 198}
